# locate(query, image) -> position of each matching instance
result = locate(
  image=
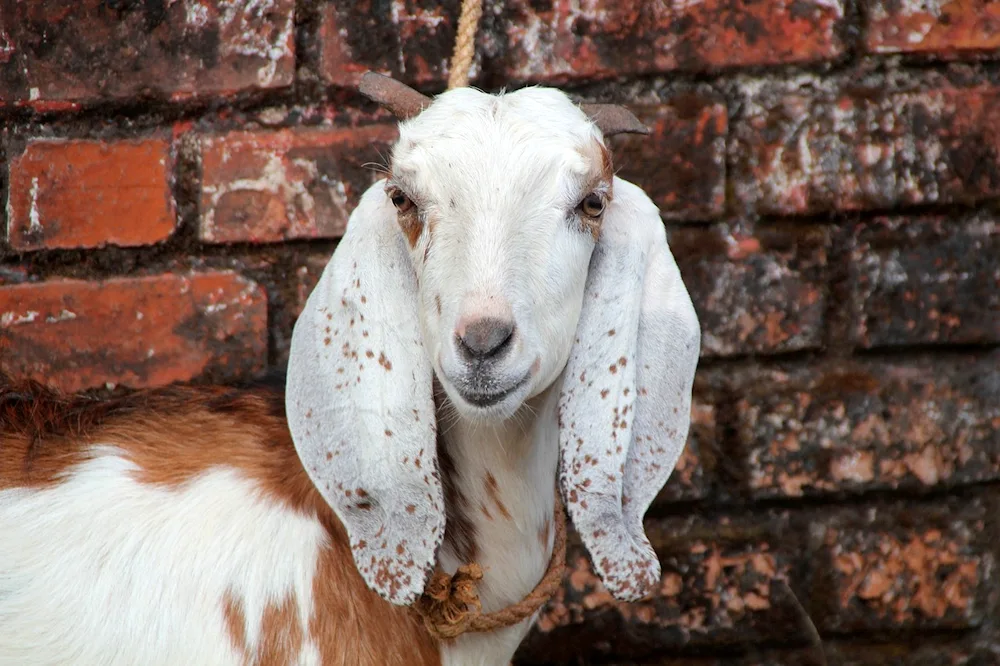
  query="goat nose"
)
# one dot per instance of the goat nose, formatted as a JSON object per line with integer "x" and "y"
{"x": 485, "y": 338}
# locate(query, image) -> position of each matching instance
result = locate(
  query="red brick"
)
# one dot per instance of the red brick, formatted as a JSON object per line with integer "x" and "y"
{"x": 141, "y": 331}
{"x": 86, "y": 51}
{"x": 927, "y": 280}
{"x": 690, "y": 480}
{"x": 682, "y": 166}
{"x": 877, "y": 426}
{"x": 409, "y": 39}
{"x": 924, "y": 578}
{"x": 79, "y": 194}
{"x": 755, "y": 292}
{"x": 271, "y": 186}
{"x": 710, "y": 594}
{"x": 794, "y": 153}
{"x": 562, "y": 41}
{"x": 945, "y": 27}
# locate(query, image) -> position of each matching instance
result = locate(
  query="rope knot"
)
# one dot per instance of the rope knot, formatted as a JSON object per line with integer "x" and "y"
{"x": 449, "y": 604}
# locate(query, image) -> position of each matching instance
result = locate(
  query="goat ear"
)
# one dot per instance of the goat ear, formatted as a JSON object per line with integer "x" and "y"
{"x": 614, "y": 119}
{"x": 625, "y": 405}
{"x": 360, "y": 407}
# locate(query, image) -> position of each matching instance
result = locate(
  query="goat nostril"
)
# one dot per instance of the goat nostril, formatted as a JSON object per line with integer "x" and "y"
{"x": 486, "y": 338}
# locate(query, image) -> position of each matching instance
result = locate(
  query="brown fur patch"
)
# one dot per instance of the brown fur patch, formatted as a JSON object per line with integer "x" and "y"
{"x": 543, "y": 533}
{"x": 280, "y": 634}
{"x": 173, "y": 434}
{"x": 601, "y": 177}
{"x": 493, "y": 490}
{"x": 232, "y": 612}
{"x": 409, "y": 222}
{"x": 459, "y": 531}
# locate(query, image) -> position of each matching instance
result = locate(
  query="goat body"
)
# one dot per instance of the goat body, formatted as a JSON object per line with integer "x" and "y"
{"x": 177, "y": 527}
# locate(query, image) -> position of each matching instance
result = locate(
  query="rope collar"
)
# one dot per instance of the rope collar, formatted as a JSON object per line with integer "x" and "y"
{"x": 450, "y": 605}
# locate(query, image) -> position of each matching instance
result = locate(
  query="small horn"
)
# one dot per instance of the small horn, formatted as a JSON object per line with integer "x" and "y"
{"x": 614, "y": 119}
{"x": 403, "y": 101}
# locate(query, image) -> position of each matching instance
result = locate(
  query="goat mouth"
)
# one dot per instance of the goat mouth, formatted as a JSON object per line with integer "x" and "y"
{"x": 493, "y": 399}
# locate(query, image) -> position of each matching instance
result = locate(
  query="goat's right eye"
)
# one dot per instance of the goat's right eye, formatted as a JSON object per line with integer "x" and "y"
{"x": 402, "y": 202}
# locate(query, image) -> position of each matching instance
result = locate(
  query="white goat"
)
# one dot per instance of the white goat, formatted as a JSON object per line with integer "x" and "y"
{"x": 501, "y": 262}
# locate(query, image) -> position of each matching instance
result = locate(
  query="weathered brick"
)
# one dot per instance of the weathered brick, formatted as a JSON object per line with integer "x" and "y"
{"x": 912, "y": 578}
{"x": 946, "y": 27}
{"x": 754, "y": 292}
{"x": 795, "y": 153}
{"x": 682, "y": 166}
{"x": 690, "y": 479}
{"x": 927, "y": 280}
{"x": 710, "y": 593}
{"x": 410, "y": 39}
{"x": 91, "y": 50}
{"x": 80, "y": 194}
{"x": 273, "y": 186}
{"x": 142, "y": 331}
{"x": 877, "y": 426}
{"x": 561, "y": 41}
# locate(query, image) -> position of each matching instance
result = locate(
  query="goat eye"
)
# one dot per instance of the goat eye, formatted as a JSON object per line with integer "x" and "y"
{"x": 592, "y": 205}
{"x": 402, "y": 202}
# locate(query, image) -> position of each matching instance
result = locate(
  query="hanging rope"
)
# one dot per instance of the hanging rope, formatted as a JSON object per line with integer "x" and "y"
{"x": 450, "y": 605}
{"x": 465, "y": 43}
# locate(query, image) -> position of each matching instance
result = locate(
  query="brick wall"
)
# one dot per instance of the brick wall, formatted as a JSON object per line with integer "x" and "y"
{"x": 829, "y": 172}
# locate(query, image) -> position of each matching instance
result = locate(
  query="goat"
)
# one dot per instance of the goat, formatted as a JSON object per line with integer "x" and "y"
{"x": 501, "y": 318}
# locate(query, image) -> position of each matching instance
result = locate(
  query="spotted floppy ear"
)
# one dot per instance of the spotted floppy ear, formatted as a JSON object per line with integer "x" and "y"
{"x": 360, "y": 407}
{"x": 625, "y": 406}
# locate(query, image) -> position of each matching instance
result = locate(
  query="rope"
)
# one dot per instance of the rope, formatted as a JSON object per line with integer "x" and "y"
{"x": 465, "y": 43}
{"x": 450, "y": 605}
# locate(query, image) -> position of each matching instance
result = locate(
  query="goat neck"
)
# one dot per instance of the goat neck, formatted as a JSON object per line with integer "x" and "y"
{"x": 499, "y": 480}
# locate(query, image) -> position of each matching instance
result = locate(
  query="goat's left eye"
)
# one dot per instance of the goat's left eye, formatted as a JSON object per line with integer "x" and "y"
{"x": 592, "y": 205}
{"x": 402, "y": 202}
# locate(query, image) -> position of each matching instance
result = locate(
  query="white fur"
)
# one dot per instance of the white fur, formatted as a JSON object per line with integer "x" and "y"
{"x": 140, "y": 572}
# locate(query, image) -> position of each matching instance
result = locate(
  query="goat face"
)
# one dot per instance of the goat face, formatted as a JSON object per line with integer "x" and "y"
{"x": 500, "y": 199}
{"x": 499, "y": 255}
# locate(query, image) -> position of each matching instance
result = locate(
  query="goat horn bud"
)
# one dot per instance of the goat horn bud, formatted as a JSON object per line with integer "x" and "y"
{"x": 403, "y": 101}
{"x": 614, "y": 119}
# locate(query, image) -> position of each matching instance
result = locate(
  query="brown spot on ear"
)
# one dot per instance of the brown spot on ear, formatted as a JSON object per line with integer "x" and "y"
{"x": 437, "y": 302}
{"x": 384, "y": 362}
